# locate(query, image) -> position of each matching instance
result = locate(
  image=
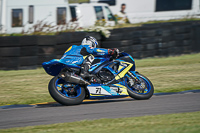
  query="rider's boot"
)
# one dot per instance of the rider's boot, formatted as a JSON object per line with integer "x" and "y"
{"x": 85, "y": 70}
{"x": 86, "y": 66}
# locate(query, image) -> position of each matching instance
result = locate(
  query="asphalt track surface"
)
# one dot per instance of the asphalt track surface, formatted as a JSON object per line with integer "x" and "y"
{"x": 115, "y": 108}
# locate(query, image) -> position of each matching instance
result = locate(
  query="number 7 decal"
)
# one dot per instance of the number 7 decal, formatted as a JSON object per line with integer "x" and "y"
{"x": 98, "y": 90}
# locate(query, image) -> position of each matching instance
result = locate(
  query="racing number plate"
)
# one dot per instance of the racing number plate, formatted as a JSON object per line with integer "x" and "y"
{"x": 98, "y": 90}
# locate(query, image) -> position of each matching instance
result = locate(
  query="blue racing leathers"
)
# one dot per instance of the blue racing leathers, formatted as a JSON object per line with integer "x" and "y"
{"x": 75, "y": 54}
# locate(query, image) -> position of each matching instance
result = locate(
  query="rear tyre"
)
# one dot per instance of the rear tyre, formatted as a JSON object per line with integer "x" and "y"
{"x": 141, "y": 91}
{"x": 65, "y": 93}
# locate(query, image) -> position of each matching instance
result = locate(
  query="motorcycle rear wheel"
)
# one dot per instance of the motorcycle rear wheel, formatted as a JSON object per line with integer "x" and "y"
{"x": 144, "y": 93}
{"x": 66, "y": 95}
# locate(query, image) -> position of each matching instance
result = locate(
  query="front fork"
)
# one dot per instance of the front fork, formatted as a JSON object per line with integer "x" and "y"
{"x": 134, "y": 76}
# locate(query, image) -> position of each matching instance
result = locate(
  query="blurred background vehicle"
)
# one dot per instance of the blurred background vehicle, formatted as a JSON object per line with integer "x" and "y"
{"x": 18, "y": 15}
{"x": 87, "y": 14}
{"x": 25, "y": 15}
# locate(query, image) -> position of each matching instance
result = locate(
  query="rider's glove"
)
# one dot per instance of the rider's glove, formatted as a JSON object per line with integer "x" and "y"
{"x": 113, "y": 52}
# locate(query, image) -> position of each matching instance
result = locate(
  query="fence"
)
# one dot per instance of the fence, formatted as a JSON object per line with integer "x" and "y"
{"x": 163, "y": 39}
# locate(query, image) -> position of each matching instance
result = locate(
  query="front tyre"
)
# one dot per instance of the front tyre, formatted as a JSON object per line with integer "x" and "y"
{"x": 140, "y": 91}
{"x": 66, "y": 93}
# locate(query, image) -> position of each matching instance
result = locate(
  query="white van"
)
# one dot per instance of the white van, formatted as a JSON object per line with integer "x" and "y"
{"x": 86, "y": 14}
{"x": 146, "y": 10}
{"x": 16, "y": 15}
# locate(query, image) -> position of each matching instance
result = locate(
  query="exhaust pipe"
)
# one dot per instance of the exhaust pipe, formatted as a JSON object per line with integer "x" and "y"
{"x": 69, "y": 77}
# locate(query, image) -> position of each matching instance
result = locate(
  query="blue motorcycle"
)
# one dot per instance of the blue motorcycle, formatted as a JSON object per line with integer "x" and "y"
{"x": 110, "y": 78}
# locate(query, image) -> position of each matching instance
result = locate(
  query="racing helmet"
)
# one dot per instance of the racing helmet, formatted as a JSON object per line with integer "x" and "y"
{"x": 89, "y": 40}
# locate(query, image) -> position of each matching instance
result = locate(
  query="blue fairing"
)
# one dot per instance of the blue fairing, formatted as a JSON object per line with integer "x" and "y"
{"x": 112, "y": 76}
{"x": 53, "y": 67}
{"x": 127, "y": 58}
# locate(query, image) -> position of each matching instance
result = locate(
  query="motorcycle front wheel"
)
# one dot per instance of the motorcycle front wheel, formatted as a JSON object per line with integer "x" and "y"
{"x": 66, "y": 93}
{"x": 140, "y": 91}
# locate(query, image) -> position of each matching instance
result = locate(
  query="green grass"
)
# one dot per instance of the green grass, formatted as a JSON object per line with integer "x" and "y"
{"x": 78, "y": 1}
{"x": 170, "y": 123}
{"x": 171, "y": 74}
{"x": 24, "y": 87}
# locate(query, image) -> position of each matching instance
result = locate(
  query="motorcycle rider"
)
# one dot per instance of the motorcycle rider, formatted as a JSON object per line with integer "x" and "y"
{"x": 83, "y": 55}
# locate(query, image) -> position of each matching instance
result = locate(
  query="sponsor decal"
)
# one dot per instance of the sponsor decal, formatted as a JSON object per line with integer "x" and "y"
{"x": 123, "y": 64}
{"x": 117, "y": 89}
{"x": 74, "y": 62}
{"x": 98, "y": 50}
